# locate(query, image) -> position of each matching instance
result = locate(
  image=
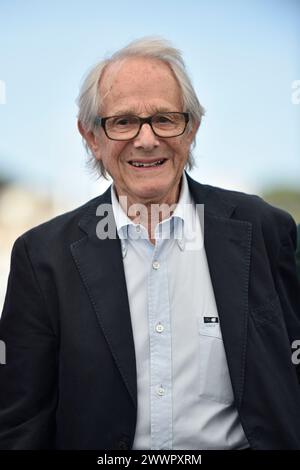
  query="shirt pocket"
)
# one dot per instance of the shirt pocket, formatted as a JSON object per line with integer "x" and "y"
{"x": 214, "y": 378}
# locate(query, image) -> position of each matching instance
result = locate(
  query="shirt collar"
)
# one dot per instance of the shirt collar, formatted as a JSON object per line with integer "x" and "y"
{"x": 121, "y": 218}
{"x": 178, "y": 225}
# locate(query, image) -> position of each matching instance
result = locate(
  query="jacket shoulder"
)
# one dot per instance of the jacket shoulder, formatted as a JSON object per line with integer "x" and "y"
{"x": 259, "y": 211}
{"x": 62, "y": 228}
{"x": 272, "y": 221}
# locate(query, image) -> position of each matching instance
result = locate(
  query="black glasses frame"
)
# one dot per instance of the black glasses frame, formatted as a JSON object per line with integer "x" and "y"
{"x": 101, "y": 121}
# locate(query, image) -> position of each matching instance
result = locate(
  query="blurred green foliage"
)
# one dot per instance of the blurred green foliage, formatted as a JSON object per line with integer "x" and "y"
{"x": 3, "y": 182}
{"x": 285, "y": 198}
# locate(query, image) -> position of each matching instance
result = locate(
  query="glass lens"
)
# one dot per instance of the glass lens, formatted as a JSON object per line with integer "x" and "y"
{"x": 123, "y": 127}
{"x": 127, "y": 126}
{"x": 168, "y": 124}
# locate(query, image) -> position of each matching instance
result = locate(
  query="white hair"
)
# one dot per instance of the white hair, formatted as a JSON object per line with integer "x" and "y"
{"x": 89, "y": 99}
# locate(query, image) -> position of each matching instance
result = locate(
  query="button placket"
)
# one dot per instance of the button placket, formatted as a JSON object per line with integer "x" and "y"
{"x": 160, "y": 352}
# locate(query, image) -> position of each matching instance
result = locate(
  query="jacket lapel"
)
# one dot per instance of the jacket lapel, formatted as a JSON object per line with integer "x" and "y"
{"x": 100, "y": 265}
{"x": 227, "y": 244}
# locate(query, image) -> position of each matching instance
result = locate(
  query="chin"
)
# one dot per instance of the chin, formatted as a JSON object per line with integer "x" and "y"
{"x": 150, "y": 192}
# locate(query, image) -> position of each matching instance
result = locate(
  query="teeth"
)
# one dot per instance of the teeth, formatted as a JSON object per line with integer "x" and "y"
{"x": 139, "y": 164}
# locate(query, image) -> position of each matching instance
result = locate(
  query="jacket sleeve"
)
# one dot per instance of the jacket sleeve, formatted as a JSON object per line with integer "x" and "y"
{"x": 28, "y": 378}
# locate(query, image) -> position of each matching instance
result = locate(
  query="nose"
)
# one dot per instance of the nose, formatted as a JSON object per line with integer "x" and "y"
{"x": 146, "y": 138}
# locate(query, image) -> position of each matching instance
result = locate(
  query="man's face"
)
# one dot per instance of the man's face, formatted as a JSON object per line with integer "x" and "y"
{"x": 142, "y": 87}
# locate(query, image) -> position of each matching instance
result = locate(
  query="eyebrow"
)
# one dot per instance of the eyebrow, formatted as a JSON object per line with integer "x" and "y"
{"x": 126, "y": 111}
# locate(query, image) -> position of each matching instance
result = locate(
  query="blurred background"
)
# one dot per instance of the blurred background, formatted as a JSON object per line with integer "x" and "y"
{"x": 244, "y": 60}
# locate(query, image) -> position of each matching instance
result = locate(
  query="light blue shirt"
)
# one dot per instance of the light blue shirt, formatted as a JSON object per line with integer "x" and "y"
{"x": 184, "y": 392}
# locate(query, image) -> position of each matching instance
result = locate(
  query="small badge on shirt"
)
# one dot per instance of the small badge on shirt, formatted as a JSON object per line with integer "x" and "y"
{"x": 211, "y": 320}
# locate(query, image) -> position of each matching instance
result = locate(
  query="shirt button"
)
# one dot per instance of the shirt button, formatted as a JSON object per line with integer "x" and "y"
{"x": 160, "y": 391}
{"x": 155, "y": 265}
{"x": 159, "y": 328}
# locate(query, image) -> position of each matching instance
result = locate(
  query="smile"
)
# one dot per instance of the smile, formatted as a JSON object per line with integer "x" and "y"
{"x": 147, "y": 165}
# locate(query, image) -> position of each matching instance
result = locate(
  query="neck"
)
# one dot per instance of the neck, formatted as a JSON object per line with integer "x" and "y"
{"x": 149, "y": 213}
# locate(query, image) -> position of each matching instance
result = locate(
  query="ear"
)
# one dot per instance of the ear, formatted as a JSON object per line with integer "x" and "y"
{"x": 89, "y": 137}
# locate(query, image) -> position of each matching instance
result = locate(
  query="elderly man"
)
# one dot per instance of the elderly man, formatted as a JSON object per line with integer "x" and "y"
{"x": 133, "y": 321}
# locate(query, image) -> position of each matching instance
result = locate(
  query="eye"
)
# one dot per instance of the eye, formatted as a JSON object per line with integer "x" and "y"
{"x": 124, "y": 121}
{"x": 121, "y": 121}
{"x": 163, "y": 119}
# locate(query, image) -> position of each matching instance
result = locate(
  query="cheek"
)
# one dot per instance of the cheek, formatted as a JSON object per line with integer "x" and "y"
{"x": 182, "y": 149}
{"x": 111, "y": 152}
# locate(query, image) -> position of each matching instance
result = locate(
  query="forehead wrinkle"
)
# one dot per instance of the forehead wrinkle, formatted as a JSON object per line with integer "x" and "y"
{"x": 115, "y": 75}
{"x": 108, "y": 78}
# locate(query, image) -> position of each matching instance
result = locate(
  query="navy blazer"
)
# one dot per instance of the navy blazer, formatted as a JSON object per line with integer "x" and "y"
{"x": 69, "y": 381}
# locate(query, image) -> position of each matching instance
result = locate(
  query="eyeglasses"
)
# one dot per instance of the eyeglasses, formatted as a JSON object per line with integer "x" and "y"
{"x": 127, "y": 127}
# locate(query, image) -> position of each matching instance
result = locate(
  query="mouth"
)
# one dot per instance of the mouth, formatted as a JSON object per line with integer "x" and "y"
{"x": 146, "y": 163}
